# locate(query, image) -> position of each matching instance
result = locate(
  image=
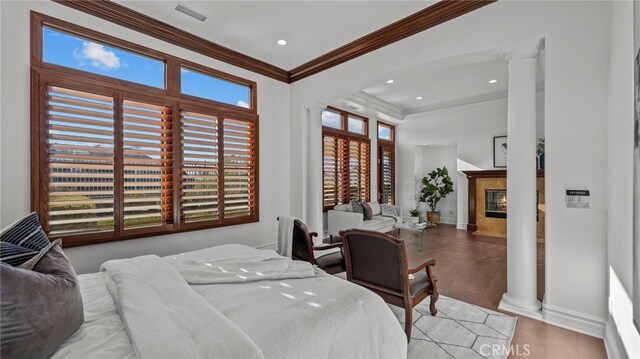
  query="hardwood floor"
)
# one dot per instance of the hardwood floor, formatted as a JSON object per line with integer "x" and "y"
{"x": 474, "y": 269}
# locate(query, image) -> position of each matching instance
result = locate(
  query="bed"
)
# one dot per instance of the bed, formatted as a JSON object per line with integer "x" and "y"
{"x": 130, "y": 313}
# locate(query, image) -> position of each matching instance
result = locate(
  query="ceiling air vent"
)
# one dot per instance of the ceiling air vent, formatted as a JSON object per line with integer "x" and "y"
{"x": 194, "y": 14}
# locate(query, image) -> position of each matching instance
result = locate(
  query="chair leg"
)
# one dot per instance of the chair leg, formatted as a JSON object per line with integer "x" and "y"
{"x": 432, "y": 305}
{"x": 408, "y": 322}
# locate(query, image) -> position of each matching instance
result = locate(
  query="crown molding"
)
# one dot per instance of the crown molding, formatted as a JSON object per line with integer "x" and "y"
{"x": 376, "y": 104}
{"x": 427, "y": 18}
{"x": 124, "y": 16}
{"x": 422, "y": 20}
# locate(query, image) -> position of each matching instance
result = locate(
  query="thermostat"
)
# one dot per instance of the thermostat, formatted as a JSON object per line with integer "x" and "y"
{"x": 577, "y": 198}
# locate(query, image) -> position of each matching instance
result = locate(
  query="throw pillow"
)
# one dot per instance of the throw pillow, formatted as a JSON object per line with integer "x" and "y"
{"x": 388, "y": 210}
{"x": 41, "y": 307}
{"x": 368, "y": 212}
{"x": 357, "y": 206}
{"x": 22, "y": 241}
{"x": 375, "y": 206}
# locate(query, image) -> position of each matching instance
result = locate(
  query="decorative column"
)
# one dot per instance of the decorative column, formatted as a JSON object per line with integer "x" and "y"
{"x": 521, "y": 183}
{"x": 314, "y": 171}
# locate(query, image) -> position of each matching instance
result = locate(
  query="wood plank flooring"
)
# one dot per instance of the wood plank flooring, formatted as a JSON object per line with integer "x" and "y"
{"x": 474, "y": 269}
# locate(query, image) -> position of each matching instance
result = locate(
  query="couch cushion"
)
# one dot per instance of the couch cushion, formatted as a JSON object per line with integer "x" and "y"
{"x": 378, "y": 223}
{"x": 375, "y": 207}
{"x": 388, "y": 210}
{"x": 343, "y": 207}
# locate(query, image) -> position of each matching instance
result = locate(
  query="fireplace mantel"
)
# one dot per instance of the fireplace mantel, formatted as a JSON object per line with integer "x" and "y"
{"x": 474, "y": 197}
{"x": 493, "y": 174}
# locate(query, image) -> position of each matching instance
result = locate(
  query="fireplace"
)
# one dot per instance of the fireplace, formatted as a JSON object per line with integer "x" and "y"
{"x": 495, "y": 203}
{"x": 488, "y": 203}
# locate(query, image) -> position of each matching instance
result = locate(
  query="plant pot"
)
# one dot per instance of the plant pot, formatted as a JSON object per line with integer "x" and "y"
{"x": 413, "y": 219}
{"x": 433, "y": 217}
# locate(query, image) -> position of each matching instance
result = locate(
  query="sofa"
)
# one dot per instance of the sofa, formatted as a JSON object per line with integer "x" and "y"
{"x": 342, "y": 217}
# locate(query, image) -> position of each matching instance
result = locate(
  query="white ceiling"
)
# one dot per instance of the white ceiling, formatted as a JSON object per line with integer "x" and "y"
{"x": 311, "y": 28}
{"x": 447, "y": 82}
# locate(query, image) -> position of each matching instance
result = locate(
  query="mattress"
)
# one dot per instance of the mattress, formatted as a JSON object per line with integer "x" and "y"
{"x": 293, "y": 318}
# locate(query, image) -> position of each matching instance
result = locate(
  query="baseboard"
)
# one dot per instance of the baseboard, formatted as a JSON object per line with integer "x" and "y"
{"x": 462, "y": 226}
{"x": 453, "y": 221}
{"x": 612, "y": 341}
{"x": 578, "y": 322}
{"x": 273, "y": 246}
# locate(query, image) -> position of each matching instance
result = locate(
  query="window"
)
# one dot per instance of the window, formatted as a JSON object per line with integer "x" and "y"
{"x": 197, "y": 84}
{"x": 386, "y": 163}
{"x": 346, "y": 160}
{"x": 386, "y": 132}
{"x": 356, "y": 125}
{"x": 331, "y": 119}
{"x": 64, "y": 49}
{"x": 119, "y": 160}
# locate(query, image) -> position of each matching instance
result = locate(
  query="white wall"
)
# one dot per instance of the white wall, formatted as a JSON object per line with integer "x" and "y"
{"x": 472, "y": 127}
{"x": 620, "y": 182}
{"x": 273, "y": 104}
{"x": 427, "y": 159}
{"x": 577, "y": 38}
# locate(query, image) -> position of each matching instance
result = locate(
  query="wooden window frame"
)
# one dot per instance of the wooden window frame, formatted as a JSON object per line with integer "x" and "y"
{"x": 391, "y": 127}
{"x": 45, "y": 74}
{"x": 345, "y": 134}
{"x": 390, "y": 146}
{"x": 344, "y": 123}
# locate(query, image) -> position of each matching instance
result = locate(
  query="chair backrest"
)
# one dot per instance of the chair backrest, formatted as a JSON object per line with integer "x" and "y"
{"x": 376, "y": 260}
{"x": 302, "y": 246}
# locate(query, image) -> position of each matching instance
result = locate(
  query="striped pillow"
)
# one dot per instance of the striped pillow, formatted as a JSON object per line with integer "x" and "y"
{"x": 22, "y": 240}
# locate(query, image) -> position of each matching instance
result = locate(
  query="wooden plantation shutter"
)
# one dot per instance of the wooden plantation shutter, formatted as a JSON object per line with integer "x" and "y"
{"x": 148, "y": 164}
{"x": 386, "y": 174}
{"x": 239, "y": 164}
{"x": 343, "y": 171}
{"x": 200, "y": 172}
{"x": 346, "y": 170}
{"x": 365, "y": 171}
{"x": 80, "y": 162}
{"x": 358, "y": 170}
{"x": 113, "y": 159}
{"x": 329, "y": 171}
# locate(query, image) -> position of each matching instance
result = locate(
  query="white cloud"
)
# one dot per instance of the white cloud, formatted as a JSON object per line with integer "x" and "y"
{"x": 242, "y": 104}
{"x": 98, "y": 56}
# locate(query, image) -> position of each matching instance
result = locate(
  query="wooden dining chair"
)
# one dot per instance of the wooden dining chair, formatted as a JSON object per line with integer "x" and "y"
{"x": 379, "y": 263}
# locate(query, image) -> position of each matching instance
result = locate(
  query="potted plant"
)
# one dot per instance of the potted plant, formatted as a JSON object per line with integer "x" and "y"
{"x": 435, "y": 186}
{"x": 540, "y": 152}
{"x": 414, "y": 213}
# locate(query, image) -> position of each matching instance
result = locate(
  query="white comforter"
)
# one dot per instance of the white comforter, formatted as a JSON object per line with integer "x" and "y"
{"x": 315, "y": 317}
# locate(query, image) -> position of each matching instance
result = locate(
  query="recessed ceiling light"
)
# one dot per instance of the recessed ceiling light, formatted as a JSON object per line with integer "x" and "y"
{"x": 493, "y": 81}
{"x": 389, "y": 81}
{"x": 281, "y": 42}
{"x": 419, "y": 98}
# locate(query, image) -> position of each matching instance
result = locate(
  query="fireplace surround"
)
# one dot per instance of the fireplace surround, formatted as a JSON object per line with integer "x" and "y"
{"x": 488, "y": 203}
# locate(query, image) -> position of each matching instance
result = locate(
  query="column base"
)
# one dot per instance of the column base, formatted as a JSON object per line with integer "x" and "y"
{"x": 510, "y": 304}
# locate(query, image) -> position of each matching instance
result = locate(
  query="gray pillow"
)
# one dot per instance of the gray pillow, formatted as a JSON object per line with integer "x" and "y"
{"x": 40, "y": 307}
{"x": 357, "y": 206}
{"x": 368, "y": 212}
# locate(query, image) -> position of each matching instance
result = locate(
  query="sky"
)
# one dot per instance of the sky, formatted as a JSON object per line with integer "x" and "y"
{"x": 74, "y": 52}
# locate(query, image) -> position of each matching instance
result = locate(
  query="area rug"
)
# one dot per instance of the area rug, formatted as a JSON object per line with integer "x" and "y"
{"x": 460, "y": 330}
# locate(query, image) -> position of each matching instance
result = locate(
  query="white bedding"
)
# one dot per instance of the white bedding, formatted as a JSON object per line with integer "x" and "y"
{"x": 319, "y": 317}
